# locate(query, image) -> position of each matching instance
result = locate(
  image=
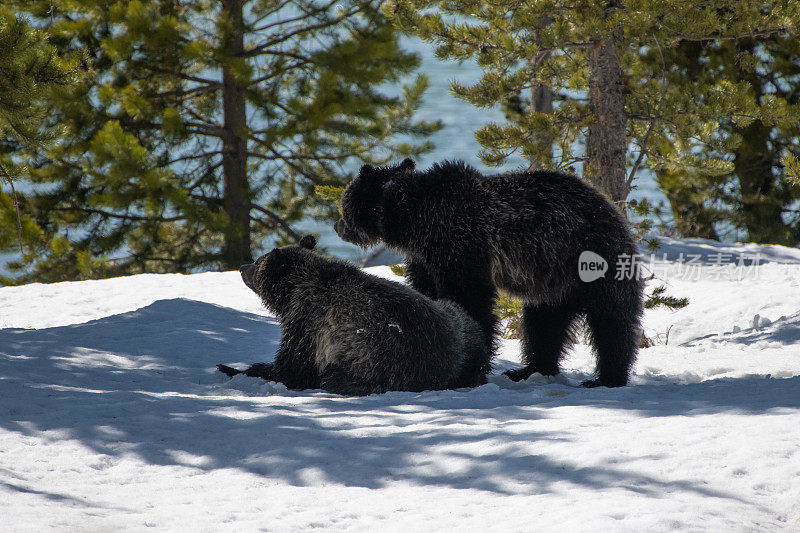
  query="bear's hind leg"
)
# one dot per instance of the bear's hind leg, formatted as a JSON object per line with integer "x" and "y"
{"x": 546, "y": 333}
{"x": 613, "y": 322}
{"x": 476, "y": 295}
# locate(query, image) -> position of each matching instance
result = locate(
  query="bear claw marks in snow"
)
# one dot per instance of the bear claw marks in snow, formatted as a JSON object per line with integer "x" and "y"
{"x": 466, "y": 235}
{"x": 348, "y": 332}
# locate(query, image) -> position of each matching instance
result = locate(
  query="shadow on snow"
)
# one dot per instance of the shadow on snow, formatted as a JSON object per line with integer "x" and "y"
{"x": 129, "y": 384}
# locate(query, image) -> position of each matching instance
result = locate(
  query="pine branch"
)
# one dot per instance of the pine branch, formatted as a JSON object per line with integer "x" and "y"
{"x": 183, "y": 75}
{"x": 277, "y": 219}
{"x": 304, "y": 16}
{"x": 109, "y": 214}
{"x": 260, "y": 49}
{"x": 658, "y": 298}
{"x": 183, "y": 93}
{"x": 269, "y": 12}
{"x": 783, "y": 30}
{"x": 791, "y": 166}
{"x": 191, "y": 157}
{"x": 643, "y": 145}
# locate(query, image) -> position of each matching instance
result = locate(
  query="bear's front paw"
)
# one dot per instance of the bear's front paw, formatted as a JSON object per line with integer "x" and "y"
{"x": 518, "y": 374}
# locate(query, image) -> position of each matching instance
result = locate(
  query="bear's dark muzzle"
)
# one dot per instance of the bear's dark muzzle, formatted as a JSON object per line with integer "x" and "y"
{"x": 347, "y": 234}
{"x": 248, "y": 272}
{"x": 340, "y": 228}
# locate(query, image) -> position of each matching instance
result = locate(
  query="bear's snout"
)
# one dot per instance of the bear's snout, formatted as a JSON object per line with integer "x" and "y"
{"x": 347, "y": 234}
{"x": 340, "y": 228}
{"x": 248, "y": 271}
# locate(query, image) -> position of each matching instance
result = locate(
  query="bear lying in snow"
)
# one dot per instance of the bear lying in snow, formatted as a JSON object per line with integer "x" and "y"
{"x": 348, "y": 332}
{"x": 465, "y": 236}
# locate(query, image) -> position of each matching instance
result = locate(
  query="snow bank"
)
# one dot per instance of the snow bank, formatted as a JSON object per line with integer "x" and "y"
{"x": 112, "y": 417}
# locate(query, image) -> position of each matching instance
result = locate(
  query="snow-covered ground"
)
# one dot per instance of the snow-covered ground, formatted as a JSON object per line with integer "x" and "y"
{"x": 112, "y": 417}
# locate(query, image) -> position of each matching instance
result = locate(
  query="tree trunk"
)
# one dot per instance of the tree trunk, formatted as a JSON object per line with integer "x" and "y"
{"x": 541, "y": 102}
{"x": 606, "y": 143}
{"x": 760, "y": 210}
{"x": 236, "y": 190}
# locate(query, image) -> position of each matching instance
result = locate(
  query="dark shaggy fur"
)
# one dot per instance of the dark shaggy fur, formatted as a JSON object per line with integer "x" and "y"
{"x": 465, "y": 236}
{"x": 349, "y": 332}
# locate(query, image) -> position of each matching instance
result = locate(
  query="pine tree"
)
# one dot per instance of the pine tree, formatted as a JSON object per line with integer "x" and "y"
{"x": 30, "y": 69}
{"x": 751, "y": 194}
{"x": 206, "y": 124}
{"x": 605, "y": 62}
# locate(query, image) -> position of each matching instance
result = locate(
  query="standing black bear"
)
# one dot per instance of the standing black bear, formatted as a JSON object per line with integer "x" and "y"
{"x": 465, "y": 235}
{"x": 349, "y": 332}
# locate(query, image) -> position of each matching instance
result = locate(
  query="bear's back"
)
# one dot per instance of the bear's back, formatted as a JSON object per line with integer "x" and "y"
{"x": 371, "y": 324}
{"x": 540, "y": 222}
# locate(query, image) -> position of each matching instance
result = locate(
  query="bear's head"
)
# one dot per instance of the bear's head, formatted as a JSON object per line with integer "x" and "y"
{"x": 360, "y": 223}
{"x": 272, "y": 275}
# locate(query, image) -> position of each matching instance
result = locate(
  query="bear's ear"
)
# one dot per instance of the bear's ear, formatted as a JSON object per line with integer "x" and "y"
{"x": 366, "y": 169}
{"x": 308, "y": 242}
{"x": 408, "y": 164}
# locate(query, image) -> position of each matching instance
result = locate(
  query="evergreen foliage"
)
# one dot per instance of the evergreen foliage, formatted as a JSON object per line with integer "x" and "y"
{"x": 510, "y": 312}
{"x": 610, "y": 67}
{"x": 204, "y": 125}
{"x": 398, "y": 269}
{"x": 331, "y": 193}
{"x": 30, "y": 69}
{"x": 659, "y": 298}
{"x": 792, "y": 168}
{"x": 750, "y": 195}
